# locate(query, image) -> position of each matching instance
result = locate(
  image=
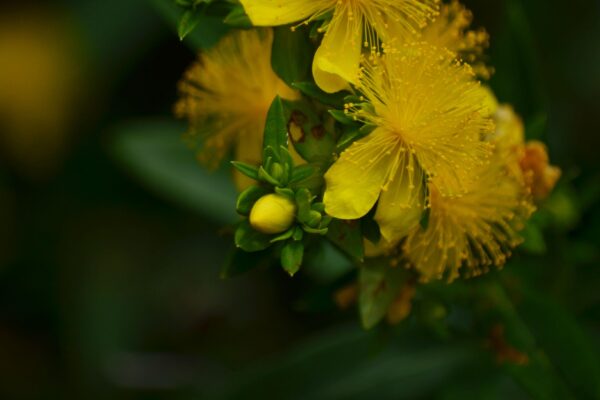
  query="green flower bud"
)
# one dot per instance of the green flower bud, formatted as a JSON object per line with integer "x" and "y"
{"x": 276, "y": 171}
{"x": 273, "y": 214}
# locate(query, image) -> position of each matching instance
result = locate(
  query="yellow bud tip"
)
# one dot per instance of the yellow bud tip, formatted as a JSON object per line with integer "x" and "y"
{"x": 273, "y": 214}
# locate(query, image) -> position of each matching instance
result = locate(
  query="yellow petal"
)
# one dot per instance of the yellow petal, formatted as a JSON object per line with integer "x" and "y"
{"x": 281, "y": 12}
{"x": 401, "y": 202}
{"x": 355, "y": 179}
{"x": 337, "y": 60}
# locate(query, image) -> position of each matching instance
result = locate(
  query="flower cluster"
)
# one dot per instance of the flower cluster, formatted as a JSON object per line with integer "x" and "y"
{"x": 394, "y": 128}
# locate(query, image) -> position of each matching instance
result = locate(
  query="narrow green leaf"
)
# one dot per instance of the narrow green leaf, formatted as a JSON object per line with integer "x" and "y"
{"x": 289, "y": 193}
{"x": 303, "y": 200}
{"x": 315, "y": 231}
{"x": 207, "y": 32}
{"x": 238, "y": 18}
{"x": 275, "y": 135}
{"x": 352, "y": 133}
{"x": 311, "y": 90}
{"x": 298, "y": 234}
{"x": 248, "y": 197}
{"x": 249, "y": 170}
{"x": 302, "y": 172}
{"x": 284, "y": 236}
{"x": 266, "y": 177}
{"x": 342, "y": 117}
{"x": 188, "y": 22}
{"x": 291, "y": 257}
{"x": 247, "y": 239}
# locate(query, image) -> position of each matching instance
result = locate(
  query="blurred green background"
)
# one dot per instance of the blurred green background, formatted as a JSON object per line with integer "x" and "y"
{"x": 112, "y": 238}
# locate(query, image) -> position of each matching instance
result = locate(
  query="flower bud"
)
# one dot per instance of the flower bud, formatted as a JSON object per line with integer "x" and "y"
{"x": 540, "y": 176}
{"x": 273, "y": 214}
{"x": 276, "y": 171}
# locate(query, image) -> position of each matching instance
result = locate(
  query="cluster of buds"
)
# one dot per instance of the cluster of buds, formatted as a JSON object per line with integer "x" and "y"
{"x": 280, "y": 211}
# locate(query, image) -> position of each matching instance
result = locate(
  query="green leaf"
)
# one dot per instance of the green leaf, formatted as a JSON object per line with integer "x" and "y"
{"x": 188, "y": 22}
{"x": 347, "y": 235}
{"x": 284, "y": 236}
{"x": 302, "y": 172}
{"x": 249, "y": 170}
{"x": 275, "y": 135}
{"x": 247, "y": 239}
{"x": 155, "y": 154}
{"x": 315, "y": 231}
{"x": 289, "y": 193}
{"x": 352, "y": 133}
{"x": 303, "y": 200}
{"x": 343, "y": 118}
{"x": 209, "y": 29}
{"x": 291, "y": 256}
{"x": 238, "y": 18}
{"x": 379, "y": 285}
{"x": 292, "y": 53}
{"x": 248, "y": 197}
{"x": 266, "y": 177}
{"x": 311, "y": 90}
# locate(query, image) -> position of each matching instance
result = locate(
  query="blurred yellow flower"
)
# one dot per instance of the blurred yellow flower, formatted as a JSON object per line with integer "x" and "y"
{"x": 429, "y": 116}
{"x": 226, "y": 96}
{"x": 39, "y": 81}
{"x": 469, "y": 234}
{"x": 354, "y": 24}
{"x": 451, "y": 30}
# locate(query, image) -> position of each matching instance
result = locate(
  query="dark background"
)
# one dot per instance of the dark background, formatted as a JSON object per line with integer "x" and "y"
{"x": 109, "y": 288}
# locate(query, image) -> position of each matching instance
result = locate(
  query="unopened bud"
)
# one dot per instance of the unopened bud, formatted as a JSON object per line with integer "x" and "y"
{"x": 276, "y": 171}
{"x": 273, "y": 214}
{"x": 539, "y": 174}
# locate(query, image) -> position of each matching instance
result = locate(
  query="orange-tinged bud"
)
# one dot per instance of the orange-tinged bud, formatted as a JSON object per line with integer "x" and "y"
{"x": 273, "y": 214}
{"x": 540, "y": 176}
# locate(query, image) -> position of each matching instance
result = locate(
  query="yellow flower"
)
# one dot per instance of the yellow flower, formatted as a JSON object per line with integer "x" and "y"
{"x": 450, "y": 30}
{"x": 469, "y": 234}
{"x": 226, "y": 96}
{"x": 429, "y": 116}
{"x": 273, "y": 214}
{"x": 337, "y": 60}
